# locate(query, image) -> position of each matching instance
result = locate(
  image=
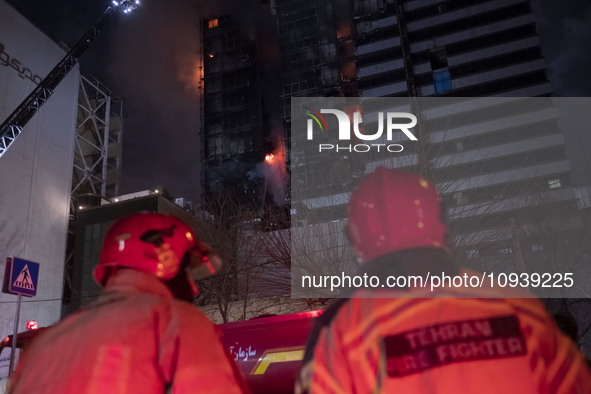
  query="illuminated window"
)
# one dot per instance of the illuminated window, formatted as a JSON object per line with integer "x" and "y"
{"x": 460, "y": 198}
{"x": 554, "y": 184}
{"x": 441, "y": 75}
{"x": 442, "y": 81}
{"x": 212, "y": 23}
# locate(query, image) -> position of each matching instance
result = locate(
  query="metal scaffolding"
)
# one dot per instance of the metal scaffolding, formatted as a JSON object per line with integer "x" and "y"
{"x": 97, "y": 156}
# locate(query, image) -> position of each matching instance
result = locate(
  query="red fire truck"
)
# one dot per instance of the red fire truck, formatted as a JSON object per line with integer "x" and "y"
{"x": 269, "y": 350}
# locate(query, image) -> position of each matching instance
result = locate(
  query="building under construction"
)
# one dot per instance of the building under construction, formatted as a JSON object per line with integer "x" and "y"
{"x": 491, "y": 156}
{"x": 239, "y": 100}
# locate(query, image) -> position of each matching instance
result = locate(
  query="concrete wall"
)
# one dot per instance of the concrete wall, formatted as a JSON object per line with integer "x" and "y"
{"x": 36, "y": 171}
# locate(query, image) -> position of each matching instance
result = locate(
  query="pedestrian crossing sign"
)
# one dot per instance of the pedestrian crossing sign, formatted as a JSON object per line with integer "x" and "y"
{"x": 23, "y": 277}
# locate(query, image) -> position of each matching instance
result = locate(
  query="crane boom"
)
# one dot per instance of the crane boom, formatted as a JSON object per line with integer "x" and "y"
{"x": 13, "y": 126}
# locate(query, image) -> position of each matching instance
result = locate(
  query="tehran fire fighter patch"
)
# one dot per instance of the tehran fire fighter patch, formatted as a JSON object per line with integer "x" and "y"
{"x": 436, "y": 345}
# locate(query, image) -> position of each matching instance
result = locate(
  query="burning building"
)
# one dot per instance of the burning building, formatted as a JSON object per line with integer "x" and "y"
{"x": 240, "y": 122}
{"x": 386, "y": 48}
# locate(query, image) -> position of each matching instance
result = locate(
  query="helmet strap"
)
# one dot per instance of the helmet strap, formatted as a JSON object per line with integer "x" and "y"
{"x": 179, "y": 285}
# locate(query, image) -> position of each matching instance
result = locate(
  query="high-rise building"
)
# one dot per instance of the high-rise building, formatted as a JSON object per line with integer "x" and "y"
{"x": 239, "y": 115}
{"x": 494, "y": 157}
{"x": 449, "y": 48}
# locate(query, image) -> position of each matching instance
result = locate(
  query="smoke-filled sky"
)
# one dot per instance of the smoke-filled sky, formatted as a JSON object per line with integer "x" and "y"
{"x": 149, "y": 59}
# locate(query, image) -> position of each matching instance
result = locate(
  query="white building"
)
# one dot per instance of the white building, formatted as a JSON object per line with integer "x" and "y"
{"x": 36, "y": 170}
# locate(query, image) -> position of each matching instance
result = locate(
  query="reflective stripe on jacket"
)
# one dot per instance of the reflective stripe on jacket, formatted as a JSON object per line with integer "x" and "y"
{"x": 480, "y": 341}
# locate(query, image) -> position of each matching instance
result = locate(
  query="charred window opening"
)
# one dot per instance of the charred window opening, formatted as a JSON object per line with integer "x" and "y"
{"x": 438, "y": 58}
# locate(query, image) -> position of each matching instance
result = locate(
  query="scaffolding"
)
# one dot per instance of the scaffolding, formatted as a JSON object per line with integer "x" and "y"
{"x": 97, "y": 156}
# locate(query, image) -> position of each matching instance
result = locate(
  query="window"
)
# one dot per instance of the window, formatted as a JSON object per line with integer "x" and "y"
{"x": 212, "y": 23}
{"x": 438, "y": 58}
{"x": 442, "y": 81}
{"x": 441, "y": 75}
{"x": 554, "y": 184}
{"x": 218, "y": 145}
{"x": 460, "y": 198}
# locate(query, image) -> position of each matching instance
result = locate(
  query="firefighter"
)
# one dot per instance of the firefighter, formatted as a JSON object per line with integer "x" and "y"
{"x": 413, "y": 340}
{"x": 141, "y": 335}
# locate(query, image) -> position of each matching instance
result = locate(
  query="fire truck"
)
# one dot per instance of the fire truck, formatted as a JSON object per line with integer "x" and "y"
{"x": 268, "y": 350}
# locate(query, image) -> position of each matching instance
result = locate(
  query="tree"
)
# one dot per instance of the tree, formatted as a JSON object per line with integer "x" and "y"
{"x": 256, "y": 251}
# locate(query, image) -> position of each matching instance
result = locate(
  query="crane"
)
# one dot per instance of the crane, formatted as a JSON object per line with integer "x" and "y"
{"x": 13, "y": 126}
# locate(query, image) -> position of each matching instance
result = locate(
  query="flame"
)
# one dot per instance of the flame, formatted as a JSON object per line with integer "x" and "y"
{"x": 269, "y": 158}
{"x": 344, "y": 30}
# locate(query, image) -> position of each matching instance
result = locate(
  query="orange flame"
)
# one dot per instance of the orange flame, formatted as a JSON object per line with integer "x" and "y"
{"x": 269, "y": 158}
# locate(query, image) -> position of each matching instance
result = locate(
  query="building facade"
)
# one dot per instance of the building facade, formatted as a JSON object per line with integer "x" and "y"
{"x": 37, "y": 168}
{"x": 468, "y": 48}
{"x": 91, "y": 226}
{"x": 239, "y": 104}
{"x": 494, "y": 157}
{"x": 488, "y": 130}
{"x": 68, "y": 155}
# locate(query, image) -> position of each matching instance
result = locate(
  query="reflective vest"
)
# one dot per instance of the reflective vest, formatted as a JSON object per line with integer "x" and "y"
{"x": 468, "y": 340}
{"x": 136, "y": 338}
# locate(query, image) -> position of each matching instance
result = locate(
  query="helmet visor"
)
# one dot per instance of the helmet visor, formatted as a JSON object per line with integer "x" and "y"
{"x": 203, "y": 262}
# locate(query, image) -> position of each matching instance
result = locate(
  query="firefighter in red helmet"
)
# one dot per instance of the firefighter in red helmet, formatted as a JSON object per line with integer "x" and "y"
{"x": 140, "y": 335}
{"x": 413, "y": 340}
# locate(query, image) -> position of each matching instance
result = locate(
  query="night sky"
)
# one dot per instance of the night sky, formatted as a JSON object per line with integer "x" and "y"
{"x": 149, "y": 59}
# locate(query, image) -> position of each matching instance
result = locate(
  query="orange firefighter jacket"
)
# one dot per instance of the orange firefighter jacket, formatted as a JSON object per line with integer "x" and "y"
{"x": 136, "y": 338}
{"x": 463, "y": 340}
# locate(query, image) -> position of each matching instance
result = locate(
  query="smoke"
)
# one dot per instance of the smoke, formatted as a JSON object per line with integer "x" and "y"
{"x": 155, "y": 66}
{"x": 276, "y": 176}
{"x": 565, "y": 38}
{"x": 154, "y": 57}
{"x": 273, "y": 169}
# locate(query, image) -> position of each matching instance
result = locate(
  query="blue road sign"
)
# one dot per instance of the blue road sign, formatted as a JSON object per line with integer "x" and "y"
{"x": 23, "y": 277}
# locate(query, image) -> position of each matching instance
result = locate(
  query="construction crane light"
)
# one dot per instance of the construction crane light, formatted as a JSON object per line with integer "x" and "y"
{"x": 126, "y": 6}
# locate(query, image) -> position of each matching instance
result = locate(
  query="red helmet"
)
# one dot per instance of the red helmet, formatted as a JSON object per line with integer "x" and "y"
{"x": 393, "y": 210}
{"x": 151, "y": 243}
